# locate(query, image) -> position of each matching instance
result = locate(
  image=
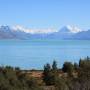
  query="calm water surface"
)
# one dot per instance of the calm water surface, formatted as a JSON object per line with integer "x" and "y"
{"x": 35, "y": 53}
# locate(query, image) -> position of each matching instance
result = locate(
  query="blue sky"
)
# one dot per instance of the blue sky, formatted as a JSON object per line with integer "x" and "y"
{"x": 45, "y": 13}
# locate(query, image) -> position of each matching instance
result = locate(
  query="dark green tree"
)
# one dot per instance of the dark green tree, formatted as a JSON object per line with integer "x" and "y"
{"x": 54, "y": 65}
{"x": 50, "y": 74}
{"x": 68, "y": 67}
{"x": 46, "y": 74}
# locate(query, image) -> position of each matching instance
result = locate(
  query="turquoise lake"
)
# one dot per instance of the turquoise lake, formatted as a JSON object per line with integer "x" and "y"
{"x": 33, "y": 54}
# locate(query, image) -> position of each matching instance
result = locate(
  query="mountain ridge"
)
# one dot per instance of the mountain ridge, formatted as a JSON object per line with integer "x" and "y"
{"x": 66, "y": 32}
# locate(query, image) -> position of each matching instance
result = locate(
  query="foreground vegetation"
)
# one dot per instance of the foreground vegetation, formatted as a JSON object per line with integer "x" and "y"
{"x": 70, "y": 77}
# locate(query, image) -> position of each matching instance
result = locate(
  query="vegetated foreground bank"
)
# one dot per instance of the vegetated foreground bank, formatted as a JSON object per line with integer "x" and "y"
{"x": 70, "y": 77}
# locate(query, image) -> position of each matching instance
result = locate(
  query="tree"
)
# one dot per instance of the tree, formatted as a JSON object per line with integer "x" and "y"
{"x": 54, "y": 65}
{"x": 76, "y": 66}
{"x": 84, "y": 74}
{"x": 68, "y": 67}
{"x": 50, "y": 74}
{"x": 46, "y": 74}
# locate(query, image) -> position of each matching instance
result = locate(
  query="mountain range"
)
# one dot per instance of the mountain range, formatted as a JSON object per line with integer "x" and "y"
{"x": 65, "y": 33}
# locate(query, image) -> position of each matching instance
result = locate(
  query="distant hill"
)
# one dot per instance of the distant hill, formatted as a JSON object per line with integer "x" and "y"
{"x": 84, "y": 35}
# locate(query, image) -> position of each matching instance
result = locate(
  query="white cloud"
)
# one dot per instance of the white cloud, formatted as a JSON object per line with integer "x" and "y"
{"x": 33, "y": 31}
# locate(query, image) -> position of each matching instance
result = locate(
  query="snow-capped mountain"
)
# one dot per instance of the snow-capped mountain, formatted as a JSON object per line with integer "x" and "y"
{"x": 7, "y": 32}
{"x": 70, "y": 29}
{"x": 65, "y": 29}
{"x": 66, "y": 32}
{"x": 33, "y": 31}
